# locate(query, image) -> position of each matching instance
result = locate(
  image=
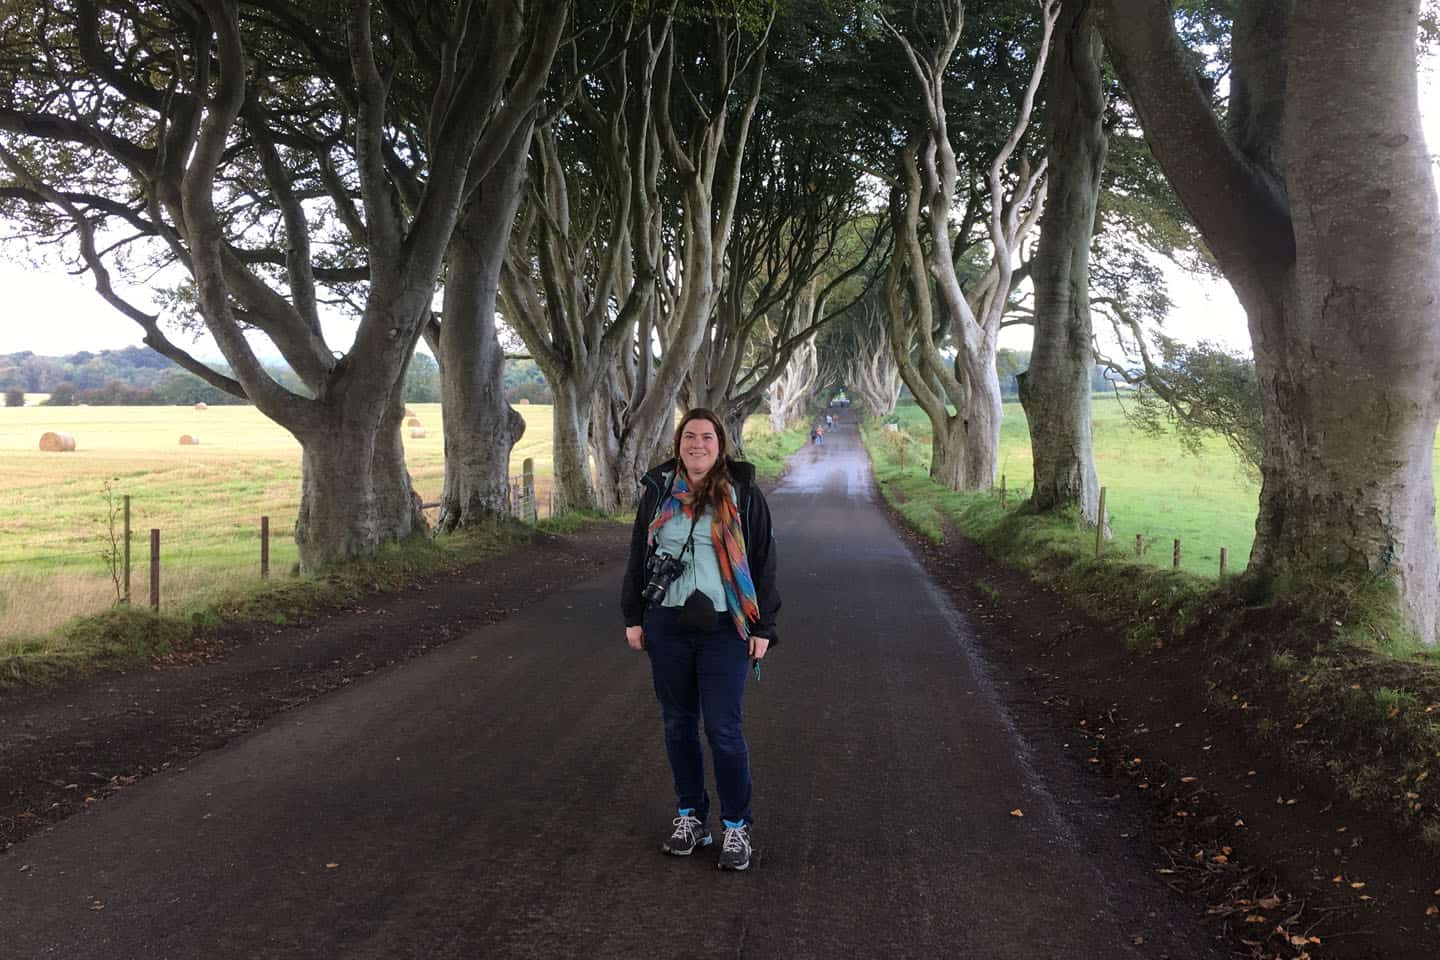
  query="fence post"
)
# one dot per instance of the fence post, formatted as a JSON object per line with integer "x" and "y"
{"x": 154, "y": 568}
{"x": 127, "y": 548}
{"x": 1139, "y": 544}
{"x": 1224, "y": 555}
{"x": 1100, "y": 524}
{"x": 527, "y": 486}
{"x": 1002, "y": 489}
{"x": 1177, "y": 553}
{"x": 264, "y": 547}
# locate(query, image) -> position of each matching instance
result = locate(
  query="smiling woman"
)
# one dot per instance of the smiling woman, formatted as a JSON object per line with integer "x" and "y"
{"x": 699, "y": 597}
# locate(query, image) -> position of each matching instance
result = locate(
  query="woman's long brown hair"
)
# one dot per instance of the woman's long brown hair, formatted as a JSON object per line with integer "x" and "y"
{"x": 717, "y": 480}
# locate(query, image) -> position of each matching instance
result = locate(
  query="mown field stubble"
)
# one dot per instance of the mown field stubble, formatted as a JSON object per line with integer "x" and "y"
{"x": 206, "y": 499}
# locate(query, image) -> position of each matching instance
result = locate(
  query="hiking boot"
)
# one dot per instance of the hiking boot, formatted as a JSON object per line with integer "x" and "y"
{"x": 689, "y": 833}
{"x": 735, "y": 848}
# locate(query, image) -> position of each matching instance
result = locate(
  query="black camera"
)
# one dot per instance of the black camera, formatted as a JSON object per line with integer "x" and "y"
{"x": 663, "y": 571}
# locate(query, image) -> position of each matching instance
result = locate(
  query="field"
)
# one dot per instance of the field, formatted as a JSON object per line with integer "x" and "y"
{"x": 206, "y": 500}
{"x": 1153, "y": 488}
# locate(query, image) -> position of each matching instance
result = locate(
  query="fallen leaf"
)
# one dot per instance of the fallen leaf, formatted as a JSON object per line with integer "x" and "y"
{"x": 1392, "y": 712}
{"x": 1270, "y": 903}
{"x": 1187, "y": 779}
{"x": 1432, "y": 911}
{"x": 1239, "y": 823}
{"x": 1255, "y": 918}
{"x": 1358, "y": 885}
{"x": 1017, "y": 812}
{"x": 1366, "y": 896}
{"x": 331, "y": 866}
{"x": 1337, "y": 879}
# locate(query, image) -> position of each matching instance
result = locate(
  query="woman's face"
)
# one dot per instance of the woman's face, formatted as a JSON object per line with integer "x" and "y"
{"x": 699, "y": 448}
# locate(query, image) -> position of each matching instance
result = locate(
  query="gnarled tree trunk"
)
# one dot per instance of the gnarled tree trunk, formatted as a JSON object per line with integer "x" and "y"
{"x": 480, "y": 426}
{"x": 1320, "y": 206}
{"x": 1055, "y": 390}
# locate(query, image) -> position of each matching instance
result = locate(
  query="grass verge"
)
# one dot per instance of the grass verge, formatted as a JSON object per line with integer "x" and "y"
{"x": 1320, "y": 668}
{"x": 769, "y": 450}
{"x": 131, "y": 636}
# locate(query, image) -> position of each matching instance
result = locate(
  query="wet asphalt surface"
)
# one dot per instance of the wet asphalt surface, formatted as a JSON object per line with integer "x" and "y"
{"x": 505, "y": 795}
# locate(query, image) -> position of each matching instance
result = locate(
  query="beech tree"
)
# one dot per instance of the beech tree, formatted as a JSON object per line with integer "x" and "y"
{"x": 869, "y": 368}
{"x": 218, "y": 126}
{"x": 790, "y": 392}
{"x": 695, "y": 83}
{"x": 1055, "y": 390}
{"x": 926, "y": 296}
{"x": 573, "y": 288}
{"x": 1316, "y": 195}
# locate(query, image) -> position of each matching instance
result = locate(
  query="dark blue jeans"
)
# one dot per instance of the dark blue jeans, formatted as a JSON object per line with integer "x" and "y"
{"x": 702, "y": 672}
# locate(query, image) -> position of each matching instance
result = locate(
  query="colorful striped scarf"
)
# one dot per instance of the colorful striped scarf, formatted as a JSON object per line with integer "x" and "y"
{"x": 729, "y": 538}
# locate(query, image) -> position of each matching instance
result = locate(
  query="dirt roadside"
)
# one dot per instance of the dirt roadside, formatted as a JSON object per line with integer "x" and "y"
{"x": 1283, "y": 868}
{"x": 1286, "y": 868}
{"x": 65, "y": 749}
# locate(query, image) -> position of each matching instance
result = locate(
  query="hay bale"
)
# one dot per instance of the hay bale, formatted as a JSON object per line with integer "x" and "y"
{"x": 417, "y": 433}
{"x": 188, "y": 441}
{"x": 201, "y": 407}
{"x": 52, "y": 442}
{"x": 414, "y": 422}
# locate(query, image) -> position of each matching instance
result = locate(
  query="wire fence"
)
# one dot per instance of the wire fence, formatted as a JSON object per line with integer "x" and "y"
{"x": 182, "y": 544}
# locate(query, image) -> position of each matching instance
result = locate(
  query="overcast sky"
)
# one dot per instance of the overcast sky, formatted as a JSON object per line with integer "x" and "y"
{"x": 52, "y": 313}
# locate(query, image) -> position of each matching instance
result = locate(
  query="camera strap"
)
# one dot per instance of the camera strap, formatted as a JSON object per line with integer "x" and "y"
{"x": 690, "y": 538}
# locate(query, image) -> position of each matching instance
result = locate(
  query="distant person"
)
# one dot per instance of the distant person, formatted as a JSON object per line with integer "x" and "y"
{"x": 815, "y": 434}
{"x": 699, "y": 597}
{"x": 829, "y": 421}
{"x": 819, "y": 434}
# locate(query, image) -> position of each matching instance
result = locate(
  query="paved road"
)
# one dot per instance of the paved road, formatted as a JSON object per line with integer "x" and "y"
{"x": 504, "y": 797}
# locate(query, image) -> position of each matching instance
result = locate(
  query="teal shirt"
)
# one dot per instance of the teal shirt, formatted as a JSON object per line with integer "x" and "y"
{"x": 702, "y": 569}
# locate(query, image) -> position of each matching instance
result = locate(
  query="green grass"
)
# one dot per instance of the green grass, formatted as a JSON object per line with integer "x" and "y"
{"x": 769, "y": 450}
{"x": 1153, "y": 488}
{"x": 206, "y": 500}
{"x": 128, "y": 636}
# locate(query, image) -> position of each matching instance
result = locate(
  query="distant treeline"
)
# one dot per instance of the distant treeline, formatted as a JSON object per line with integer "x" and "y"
{"x": 136, "y": 376}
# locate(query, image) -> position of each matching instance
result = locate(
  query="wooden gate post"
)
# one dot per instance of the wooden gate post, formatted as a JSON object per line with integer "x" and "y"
{"x": 154, "y": 568}
{"x": 527, "y": 490}
{"x": 264, "y": 547}
{"x": 1100, "y": 524}
{"x": 127, "y": 549}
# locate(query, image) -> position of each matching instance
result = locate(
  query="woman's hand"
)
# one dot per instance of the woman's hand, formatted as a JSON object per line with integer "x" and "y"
{"x": 758, "y": 646}
{"x": 635, "y": 637}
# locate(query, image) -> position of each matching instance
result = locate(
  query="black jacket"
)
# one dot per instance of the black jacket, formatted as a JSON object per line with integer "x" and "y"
{"x": 759, "y": 544}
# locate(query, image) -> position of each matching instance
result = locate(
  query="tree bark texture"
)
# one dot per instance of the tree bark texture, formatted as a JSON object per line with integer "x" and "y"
{"x": 790, "y": 391}
{"x": 355, "y": 491}
{"x": 1055, "y": 390}
{"x": 1321, "y": 209}
{"x": 480, "y": 426}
